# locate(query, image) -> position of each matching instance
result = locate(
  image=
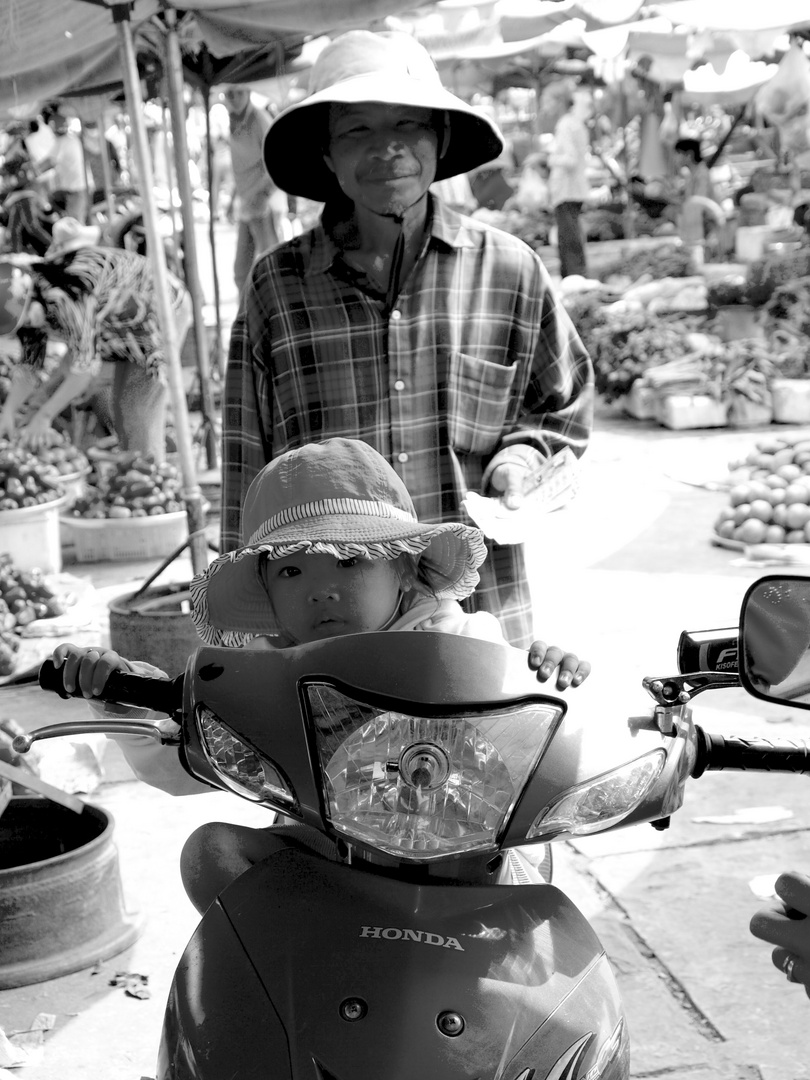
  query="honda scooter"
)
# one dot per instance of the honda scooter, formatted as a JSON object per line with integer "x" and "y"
{"x": 385, "y": 936}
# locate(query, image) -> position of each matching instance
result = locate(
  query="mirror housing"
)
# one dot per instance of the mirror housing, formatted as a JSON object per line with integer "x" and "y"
{"x": 774, "y": 643}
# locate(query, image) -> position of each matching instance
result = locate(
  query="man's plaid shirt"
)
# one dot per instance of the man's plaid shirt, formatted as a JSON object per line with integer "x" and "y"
{"x": 477, "y": 362}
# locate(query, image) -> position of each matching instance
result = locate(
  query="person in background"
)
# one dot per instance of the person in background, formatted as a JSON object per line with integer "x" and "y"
{"x": 436, "y": 338}
{"x": 69, "y": 192}
{"x": 568, "y": 181}
{"x": 99, "y": 301}
{"x": 94, "y": 141}
{"x": 785, "y": 923}
{"x": 692, "y": 169}
{"x": 261, "y": 209}
{"x": 221, "y": 188}
{"x": 26, "y": 216}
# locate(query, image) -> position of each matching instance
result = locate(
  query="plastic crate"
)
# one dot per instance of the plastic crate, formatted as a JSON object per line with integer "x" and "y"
{"x": 118, "y": 539}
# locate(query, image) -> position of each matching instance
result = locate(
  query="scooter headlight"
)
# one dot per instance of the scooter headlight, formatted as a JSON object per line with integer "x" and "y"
{"x": 244, "y": 771}
{"x": 597, "y": 804}
{"x": 425, "y": 787}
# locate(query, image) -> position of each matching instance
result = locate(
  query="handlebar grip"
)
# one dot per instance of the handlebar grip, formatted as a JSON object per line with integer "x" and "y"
{"x": 123, "y": 688}
{"x": 715, "y": 752}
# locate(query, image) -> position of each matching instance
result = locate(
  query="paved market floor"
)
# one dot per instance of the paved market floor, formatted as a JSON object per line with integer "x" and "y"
{"x": 617, "y": 576}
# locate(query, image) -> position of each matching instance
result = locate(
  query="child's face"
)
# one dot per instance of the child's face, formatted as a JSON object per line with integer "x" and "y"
{"x": 318, "y": 596}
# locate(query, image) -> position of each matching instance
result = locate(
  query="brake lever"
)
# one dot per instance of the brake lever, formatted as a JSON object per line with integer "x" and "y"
{"x": 680, "y": 689}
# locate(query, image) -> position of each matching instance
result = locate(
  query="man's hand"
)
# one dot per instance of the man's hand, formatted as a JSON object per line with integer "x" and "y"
{"x": 510, "y": 481}
{"x": 785, "y": 923}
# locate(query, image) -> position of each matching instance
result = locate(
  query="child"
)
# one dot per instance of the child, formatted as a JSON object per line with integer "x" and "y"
{"x": 333, "y": 547}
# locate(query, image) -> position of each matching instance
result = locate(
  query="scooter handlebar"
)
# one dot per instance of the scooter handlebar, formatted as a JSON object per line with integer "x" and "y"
{"x": 124, "y": 688}
{"x": 715, "y": 752}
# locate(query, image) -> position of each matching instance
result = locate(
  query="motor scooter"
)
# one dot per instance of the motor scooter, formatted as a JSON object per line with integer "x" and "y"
{"x": 383, "y": 937}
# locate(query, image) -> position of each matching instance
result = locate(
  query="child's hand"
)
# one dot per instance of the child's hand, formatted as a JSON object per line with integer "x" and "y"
{"x": 87, "y": 669}
{"x": 545, "y": 659}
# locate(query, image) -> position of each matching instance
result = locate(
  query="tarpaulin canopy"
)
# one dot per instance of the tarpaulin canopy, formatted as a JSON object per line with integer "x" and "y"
{"x": 778, "y": 15}
{"x": 52, "y": 47}
{"x": 735, "y": 86}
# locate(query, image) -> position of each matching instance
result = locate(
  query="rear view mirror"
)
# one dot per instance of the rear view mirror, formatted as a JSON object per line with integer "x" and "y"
{"x": 775, "y": 639}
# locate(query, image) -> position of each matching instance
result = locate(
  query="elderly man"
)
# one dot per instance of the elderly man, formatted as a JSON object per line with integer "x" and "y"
{"x": 435, "y": 338}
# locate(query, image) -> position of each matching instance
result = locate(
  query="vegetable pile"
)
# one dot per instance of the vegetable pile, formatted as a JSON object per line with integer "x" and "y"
{"x": 626, "y": 346}
{"x": 136, "y": 486}
{"x": 769, "y": 501}
{"x": 662, "y": 261}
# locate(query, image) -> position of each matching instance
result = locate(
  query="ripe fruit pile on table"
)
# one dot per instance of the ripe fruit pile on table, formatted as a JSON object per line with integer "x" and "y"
{"x": 134, "y": 486}
{"x": 61, "y": 456}
{"x": 24, "y": 479}
{"x": 770, "y": 494}
{"x": 24, "y": 597}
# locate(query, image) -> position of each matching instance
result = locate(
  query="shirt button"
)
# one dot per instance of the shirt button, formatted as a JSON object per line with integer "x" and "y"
{"x": 402, "y": 458}
{"x": 396, "y": 314}
{"x": 399, "y": 385}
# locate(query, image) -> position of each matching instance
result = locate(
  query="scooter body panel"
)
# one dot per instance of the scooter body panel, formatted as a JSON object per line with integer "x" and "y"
{"x": 218, "y": 1021}
{"x": 519, "y": 965}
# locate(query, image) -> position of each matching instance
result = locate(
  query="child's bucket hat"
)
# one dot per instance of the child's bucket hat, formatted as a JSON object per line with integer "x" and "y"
{"x": 338, "y": 497}
{"x": 360, "y": 66}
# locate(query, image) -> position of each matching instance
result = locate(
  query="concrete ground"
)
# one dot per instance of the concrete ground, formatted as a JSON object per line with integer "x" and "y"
{"x": 617, "y": 576}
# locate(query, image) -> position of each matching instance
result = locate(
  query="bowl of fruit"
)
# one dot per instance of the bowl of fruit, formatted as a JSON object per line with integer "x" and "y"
{"x": 64, "y": 466}
{"x": 132, "y": 508}
{"x": 31, "y": 499}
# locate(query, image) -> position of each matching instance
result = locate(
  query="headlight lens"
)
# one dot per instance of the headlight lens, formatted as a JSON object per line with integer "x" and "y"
{"x": 422, "y": 787}
{"x": 601, "y": 802}
{"x": 243, "y": 770}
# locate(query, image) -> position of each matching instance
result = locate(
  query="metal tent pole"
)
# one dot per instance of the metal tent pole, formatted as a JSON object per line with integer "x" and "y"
{"x": 174, "y": 74}
{"x": 212, "y": 210}
{"x": 192, "y": 493}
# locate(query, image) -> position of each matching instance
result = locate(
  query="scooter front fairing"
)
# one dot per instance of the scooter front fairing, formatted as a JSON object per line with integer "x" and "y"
{"x": 304, "y": 968}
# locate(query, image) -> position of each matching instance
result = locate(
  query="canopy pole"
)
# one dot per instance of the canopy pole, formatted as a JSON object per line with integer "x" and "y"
{"x": 212, "y": 210}
{"x": 168, "y": 164}
{"x": 192, "y": 494}
{"x": 177, "y": 108}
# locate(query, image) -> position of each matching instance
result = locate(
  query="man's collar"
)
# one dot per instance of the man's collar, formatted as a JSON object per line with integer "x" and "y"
{"x": 448, "y": 226}
{"x": 445, "y": 227}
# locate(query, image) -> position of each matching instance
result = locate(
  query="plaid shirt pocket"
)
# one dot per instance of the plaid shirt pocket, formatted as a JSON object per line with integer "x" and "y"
{"x": 479, "y": 398}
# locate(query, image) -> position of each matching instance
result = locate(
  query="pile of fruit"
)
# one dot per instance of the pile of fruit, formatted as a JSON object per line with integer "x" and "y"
{"x": 770, "y": 494}
{"x": 24, "y": 596}
{"x": 60, "y": 456}
{"x": 24, "y": 479}
{"x": 134, "y": 486}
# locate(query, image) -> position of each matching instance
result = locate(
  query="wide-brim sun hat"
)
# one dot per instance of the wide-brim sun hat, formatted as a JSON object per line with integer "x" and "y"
{"x": 16, "y": 288}
{"x": 391, "y": 68}
{"x": 338, "y": 497}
